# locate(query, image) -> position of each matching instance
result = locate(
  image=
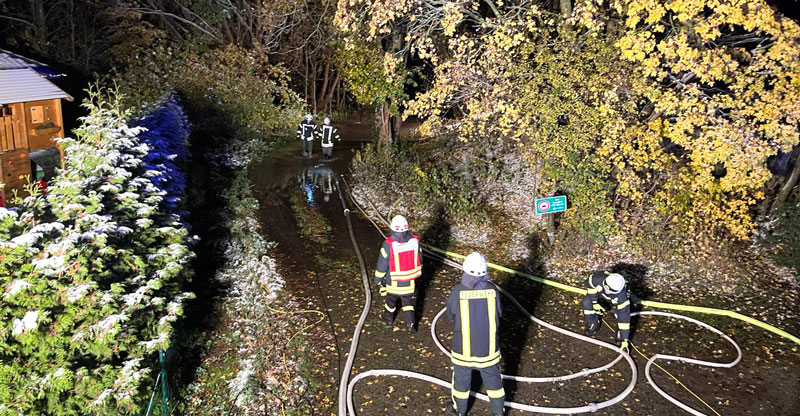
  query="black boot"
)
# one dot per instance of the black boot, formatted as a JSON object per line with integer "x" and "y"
{"x": 592, "y": 329}
{"x": 411, "y": 329}
{"x": 451, "y": 411}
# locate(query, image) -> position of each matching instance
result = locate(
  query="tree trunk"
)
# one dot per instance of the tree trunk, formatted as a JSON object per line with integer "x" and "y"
{"x": 325, "y": 80}
{"x": 314, "y": 84}
{"x": 305, "y": 77}
{"x": 566, "y": 7}
{"x": 787, "y": 187}
{"x": 397, "y": 121}
{"x": 383, "y": 120}
{"x": 39, "y": 20}
{"x": 328, "y": 88}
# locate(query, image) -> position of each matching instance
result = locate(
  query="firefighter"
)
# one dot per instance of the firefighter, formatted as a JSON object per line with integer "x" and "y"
{"x": 399, "y": 264}
{"x": 305, "y": 133}
{"x": 612, "y": 288}
{"x": 327, "y": 135}
{"x": 474, "y": 308}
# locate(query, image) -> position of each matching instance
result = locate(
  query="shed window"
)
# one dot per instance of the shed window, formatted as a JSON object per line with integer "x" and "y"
{"x": 37, "y": 114}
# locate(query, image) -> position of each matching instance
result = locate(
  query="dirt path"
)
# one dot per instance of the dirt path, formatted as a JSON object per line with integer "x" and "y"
{"x": 321, "y": 269}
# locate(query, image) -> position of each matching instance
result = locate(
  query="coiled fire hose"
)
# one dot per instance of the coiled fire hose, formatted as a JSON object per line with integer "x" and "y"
{"x": 439, "y": 255}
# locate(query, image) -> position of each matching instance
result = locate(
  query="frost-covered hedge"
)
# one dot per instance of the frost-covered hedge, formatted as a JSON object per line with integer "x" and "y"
{"x": 167, "y": 137}
{"x": 91, "y": 273}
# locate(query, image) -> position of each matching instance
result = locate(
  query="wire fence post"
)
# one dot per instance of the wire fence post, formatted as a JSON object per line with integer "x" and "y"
{"x": 164, "y": 386}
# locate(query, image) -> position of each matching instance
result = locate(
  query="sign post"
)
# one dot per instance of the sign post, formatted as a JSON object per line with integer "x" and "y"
{"x": 551, "y": 205}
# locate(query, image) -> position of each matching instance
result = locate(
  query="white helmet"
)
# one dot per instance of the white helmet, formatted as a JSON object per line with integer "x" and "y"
{"x": 309, "y": 117}
{"x": 614, "y": 283}
{"x": 399, "y": 223}
{"x": 327, "y": 120}
{"x": 475, "y": 265}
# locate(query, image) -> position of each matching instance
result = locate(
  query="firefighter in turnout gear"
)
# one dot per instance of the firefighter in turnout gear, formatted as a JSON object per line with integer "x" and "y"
{"x": 474, "y": 308}
{"x": 327, "y": 135}
{"x": 399, "y": 264}
{"x": 305, "y": 133}
{"x": 612, "y": 288}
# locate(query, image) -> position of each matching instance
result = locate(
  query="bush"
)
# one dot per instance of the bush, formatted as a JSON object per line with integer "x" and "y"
{"x": 93, "y": 271}
{"x": 238, "y": 84}
{"x": 411, "y": 180}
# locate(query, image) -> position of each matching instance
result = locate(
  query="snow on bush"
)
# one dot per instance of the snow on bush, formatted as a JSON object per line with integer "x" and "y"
{"x": 93, "y": 270}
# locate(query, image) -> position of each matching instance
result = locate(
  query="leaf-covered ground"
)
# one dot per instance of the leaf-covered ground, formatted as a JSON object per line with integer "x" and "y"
{"x": 325, "y": 276}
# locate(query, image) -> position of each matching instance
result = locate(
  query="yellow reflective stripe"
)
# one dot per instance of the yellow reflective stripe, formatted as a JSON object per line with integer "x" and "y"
{"x": 388, "y": 308}
{"x": 589, "y": 312}
{"x": 465, "y": 341}
{"x": 400, "y": 290}
{"x": 593, "y": 290}
{"x": 624, "y": 325}
{"x": 475, "y": 360}
{"x": 406, "y": 272}
{"x": 491, "y": 308}
{"x": 459, "y": 394}
{"x": 474, "y": 364}
{"x": 379, "y": 274}
{"x": 408, "y": 308}
{"x": 383, "y": 252}
{"x": 597, "y": 307}
{"x": 623, "y": 305}
{"x": 496, "y": 394}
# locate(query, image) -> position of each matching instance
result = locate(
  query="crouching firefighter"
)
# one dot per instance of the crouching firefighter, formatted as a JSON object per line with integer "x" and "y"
{"x": 399, "y": 264}
{"x": 612, "y": 288}
{"x": 474, "y": 308}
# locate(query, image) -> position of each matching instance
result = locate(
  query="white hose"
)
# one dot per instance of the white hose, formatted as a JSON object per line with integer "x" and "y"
{"x": 591, "y": 407}
{"x": 348, "y": 366}
{"x": 687, "y": 360}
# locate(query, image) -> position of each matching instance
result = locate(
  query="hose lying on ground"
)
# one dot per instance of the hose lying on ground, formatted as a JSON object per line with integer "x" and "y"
{"x": 591, "y": 407}
{"x": 365, "y": 311}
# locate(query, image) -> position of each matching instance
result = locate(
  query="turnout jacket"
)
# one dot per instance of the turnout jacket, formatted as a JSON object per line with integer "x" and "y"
{"x": 475, "y": 313}
{"x": 620, "y": 302}
{"x": 399, "y": 263}
{"x": 328, "y": 134}
{"x": 305, "y": 130}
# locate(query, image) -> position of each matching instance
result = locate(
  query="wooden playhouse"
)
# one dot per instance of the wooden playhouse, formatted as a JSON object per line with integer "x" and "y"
{"x": 30, "y": 118}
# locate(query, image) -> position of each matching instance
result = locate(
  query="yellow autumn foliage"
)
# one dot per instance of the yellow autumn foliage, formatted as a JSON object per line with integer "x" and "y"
{"x": 633, "y": 108}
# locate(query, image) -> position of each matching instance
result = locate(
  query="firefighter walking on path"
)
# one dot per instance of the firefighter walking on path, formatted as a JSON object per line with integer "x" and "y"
{"x": 474, "y": 308}
{"x": 305, "y": 132}
{"x": 399, "y": 264}
{"x": 612, "y": 288}
{"x": 327, "y": 135}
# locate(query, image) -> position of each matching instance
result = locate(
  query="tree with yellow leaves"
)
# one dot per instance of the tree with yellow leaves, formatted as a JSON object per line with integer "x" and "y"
{"x": 646, "y": 108}
{"x": 720, "y": 84}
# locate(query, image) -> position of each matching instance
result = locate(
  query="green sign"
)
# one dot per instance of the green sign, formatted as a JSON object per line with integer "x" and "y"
{"x": 551, "y": 205}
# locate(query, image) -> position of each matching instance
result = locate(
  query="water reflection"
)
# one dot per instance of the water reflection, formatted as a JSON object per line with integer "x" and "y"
{"x": 317, "y": 180}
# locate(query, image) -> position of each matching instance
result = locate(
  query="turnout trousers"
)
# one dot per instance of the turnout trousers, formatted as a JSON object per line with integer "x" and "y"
{"x": 406, "y": 303}
{"x": 308, "y": 145}
{"x": 327, "y": 150}
{"x": 462, "y": 380}
{"x": 591, "y": 313}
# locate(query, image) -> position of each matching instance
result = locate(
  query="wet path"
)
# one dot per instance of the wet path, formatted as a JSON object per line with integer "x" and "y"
{"x": 301, "y": 212}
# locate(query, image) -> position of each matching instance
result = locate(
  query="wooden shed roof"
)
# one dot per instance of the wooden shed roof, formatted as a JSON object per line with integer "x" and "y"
{"x": 23, "y": 85}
